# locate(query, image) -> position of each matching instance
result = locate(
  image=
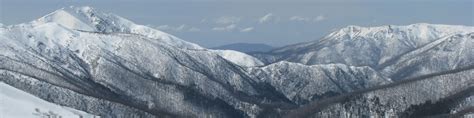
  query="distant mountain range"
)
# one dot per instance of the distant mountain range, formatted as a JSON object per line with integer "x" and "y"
{"x": 395, "y": 51}
{"x": 246, "y": 47}
{"x": 103, "y": 64}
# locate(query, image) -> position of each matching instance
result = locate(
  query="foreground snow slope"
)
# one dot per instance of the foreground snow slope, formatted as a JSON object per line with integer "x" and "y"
{"x": 19, "y": 104}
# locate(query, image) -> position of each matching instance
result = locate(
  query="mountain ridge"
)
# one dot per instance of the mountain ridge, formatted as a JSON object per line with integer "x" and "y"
{"x": 376, "y": 47}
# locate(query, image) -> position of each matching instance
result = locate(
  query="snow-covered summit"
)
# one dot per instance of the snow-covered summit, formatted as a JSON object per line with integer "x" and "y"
{"x": 88, "y": 19}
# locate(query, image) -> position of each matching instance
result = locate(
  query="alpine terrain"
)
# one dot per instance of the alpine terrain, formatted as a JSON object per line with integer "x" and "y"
{"x": 78, "y": 61}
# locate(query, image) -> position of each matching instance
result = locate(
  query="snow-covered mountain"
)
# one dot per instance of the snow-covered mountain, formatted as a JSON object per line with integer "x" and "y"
{"x": 87, "y": 19}
{"x": 376, "y": 47}
{"x": 108, "y": 66}
{"x": 124, "y": 72}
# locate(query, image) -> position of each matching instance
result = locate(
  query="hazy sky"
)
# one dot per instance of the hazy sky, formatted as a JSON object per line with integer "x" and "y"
{"x": 275, "y": 22}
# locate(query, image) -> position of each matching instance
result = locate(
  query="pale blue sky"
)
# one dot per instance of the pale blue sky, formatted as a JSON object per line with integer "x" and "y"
{"x": 216, "y": 22}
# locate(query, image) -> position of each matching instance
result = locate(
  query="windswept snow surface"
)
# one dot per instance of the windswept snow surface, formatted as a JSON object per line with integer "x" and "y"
{"x": 15, "y": 103}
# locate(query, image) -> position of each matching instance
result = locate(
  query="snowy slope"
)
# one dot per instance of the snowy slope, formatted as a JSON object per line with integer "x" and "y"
{"x": 302, "y": 83}
{"x": 15, "y": 103}
{"x": 447, "y": 53}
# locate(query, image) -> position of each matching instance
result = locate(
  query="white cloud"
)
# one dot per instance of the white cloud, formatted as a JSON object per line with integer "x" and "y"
{"x": 203, "y": 20}
{"x": 225, "y": 28}
{"x": 228, "y": 20}
{"x": 299, "y": 18}
{"x": 248, "y": 29}
{"x": 268, "y": 17}
{"x": 164, "y": 27}
{"x": 308, "y": 19}
{"x": 320, "y": 18}
{"x": 194, "y": 29}
{"x": 180, "y": 28}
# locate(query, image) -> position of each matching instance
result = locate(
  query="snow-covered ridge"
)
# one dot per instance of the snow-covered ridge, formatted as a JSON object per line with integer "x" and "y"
{"x": 423, "y": 32}
{"x": 367, "y": 46}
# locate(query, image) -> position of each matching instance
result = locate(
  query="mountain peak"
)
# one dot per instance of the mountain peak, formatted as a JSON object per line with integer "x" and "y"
{"x": 65, "y": 18}
{"x": 88, "y": 19}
